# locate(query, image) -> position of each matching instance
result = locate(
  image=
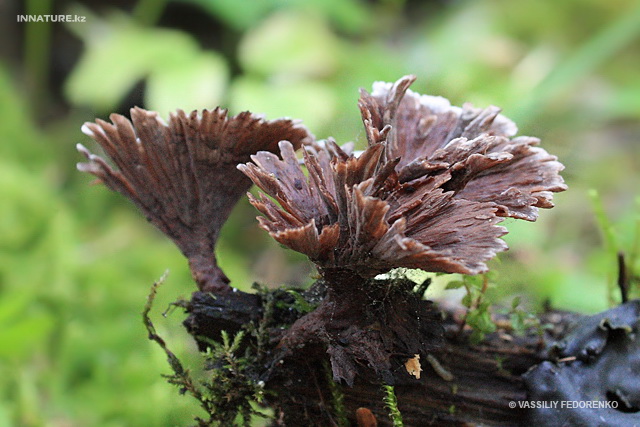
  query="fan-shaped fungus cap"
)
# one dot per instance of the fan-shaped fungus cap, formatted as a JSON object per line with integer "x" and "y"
{"x": 474, "y": 145}
{"x": 182, "y": 175}
{"x": 427, "y": 193}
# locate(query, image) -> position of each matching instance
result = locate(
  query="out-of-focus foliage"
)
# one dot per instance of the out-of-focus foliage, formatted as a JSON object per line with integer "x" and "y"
{"x": 177, "y": 71}
{"x": 76, "y": 261}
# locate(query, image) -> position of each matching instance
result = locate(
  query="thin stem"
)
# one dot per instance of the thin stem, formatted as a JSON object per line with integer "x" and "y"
{"x": 180, "y": 372}
{"x": 463, "y": 323}
{"x": 623, "y": 282}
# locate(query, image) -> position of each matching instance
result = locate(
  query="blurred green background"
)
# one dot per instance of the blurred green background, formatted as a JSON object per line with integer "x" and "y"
{"x": 76, "y": 261}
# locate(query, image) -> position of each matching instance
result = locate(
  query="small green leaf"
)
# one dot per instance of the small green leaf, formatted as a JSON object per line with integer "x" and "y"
{"x": 481, "y": 321}
{"x": 301, "y": 304}
{"x": 237, "y": 339}
{"x": 467, "y": 300}
{"x": 517, "y": 323}
{"x": 225, "y": 339}
{"x": 455, "y": 284}
{"x": 487, "y": 324}
{"x": 484, "y": 306}
{"x": 515, "y": 303}
{"x": 476, "y": 281}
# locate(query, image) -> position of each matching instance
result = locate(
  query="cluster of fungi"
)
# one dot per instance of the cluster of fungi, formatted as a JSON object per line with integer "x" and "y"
{"x": 428, "y": 192}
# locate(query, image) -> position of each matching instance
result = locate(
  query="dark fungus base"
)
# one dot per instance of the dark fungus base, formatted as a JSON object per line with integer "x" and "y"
{"x": 368, "y": 323}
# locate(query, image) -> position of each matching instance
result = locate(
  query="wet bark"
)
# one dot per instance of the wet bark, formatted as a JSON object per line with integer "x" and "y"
{"x": 461, "y": 384}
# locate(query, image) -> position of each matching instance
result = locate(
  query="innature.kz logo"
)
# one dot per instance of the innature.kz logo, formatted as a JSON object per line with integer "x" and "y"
{"x": 51, "y": 18}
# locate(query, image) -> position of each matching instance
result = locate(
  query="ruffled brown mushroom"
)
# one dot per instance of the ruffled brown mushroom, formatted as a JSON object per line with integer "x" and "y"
{"x": 182, "y": 175}
{"x": 475, "y": 146}
{"x": 352, "y": 215}
{"x": 427, "y": 193}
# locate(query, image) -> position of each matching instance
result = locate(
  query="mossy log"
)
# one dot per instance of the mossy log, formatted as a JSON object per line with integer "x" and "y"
{"x": 460, "y": 383}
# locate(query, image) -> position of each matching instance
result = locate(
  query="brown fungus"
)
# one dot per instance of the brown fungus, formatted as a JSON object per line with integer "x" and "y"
{"x": 182, "y": 175}
{"x": 352, "y": 214}
{"x": 475, "y": 146}
{"x": 428, "y": 192}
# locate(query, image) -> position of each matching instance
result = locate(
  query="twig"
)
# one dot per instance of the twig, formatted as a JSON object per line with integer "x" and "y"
{"x": 182, "y": 377}
{"x": 623, "y": 282}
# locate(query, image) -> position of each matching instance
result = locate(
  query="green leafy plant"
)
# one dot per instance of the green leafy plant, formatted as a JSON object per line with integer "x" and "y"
{"x": 300, "y": 304}
{"x": 478, "y": 315}
{"x": 154, "y": 54}
{"x": 522, "y": 320}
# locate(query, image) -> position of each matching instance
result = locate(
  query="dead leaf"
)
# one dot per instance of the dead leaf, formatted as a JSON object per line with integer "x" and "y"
{"x": 413, "y": 366}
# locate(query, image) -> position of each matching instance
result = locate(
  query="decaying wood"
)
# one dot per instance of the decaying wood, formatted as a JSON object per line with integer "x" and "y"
{"x": 466, "y": 385}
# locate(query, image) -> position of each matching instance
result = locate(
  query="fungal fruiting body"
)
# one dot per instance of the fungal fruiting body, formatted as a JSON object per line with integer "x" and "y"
{"x": 182, "y": 175}
{"x": 428, "y": 192}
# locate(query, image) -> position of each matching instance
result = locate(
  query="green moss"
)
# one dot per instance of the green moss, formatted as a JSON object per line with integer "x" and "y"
{"x": 391, "y": 402}
{"x": 337, "y": 398}
{"x": 228, "y": 391}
